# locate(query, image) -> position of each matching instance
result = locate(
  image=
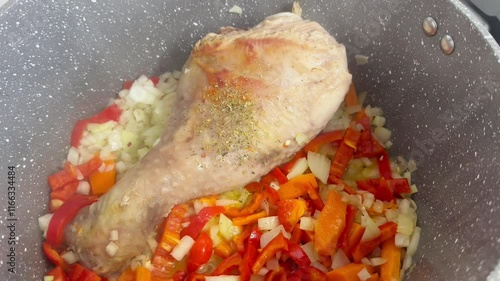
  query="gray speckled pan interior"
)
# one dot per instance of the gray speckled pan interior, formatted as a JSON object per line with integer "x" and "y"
{"x": 62, "y": 60}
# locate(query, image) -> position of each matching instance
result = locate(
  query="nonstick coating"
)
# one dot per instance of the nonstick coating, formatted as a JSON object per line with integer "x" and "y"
{"x": 62, "y": 60}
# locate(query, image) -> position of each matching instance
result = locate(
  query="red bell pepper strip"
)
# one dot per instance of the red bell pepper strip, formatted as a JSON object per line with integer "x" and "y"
{"x": 361, "y": 250}
{"x": 399, "y": 185}
{"x": 63, "y": 177}
{"x": 91, "y": 166}
{"x": 65, "y": 192}
{"x": 79, "y": 273}
{"x": 298, "y": 255}
{"x": 384, "y": 166}
{"x": 200, "y": 253}
{"x": 344, "y": 153}
{"x": 329, "y": 137}
{"x": 350, "y": 216}
{"x": 377, "y": 187}
{"x": 198, "y": 222}
{"x": 226, "y": 265}
{"x": 277, "y": 244}
{"x": 239, "y": 240}
{"x": 289, "y": 165}
{"x": 278, "y": 174}
{"x": 110, "y": 113}
{"x": 53, "y": 255}
{"x": 250, "y": 254}
{"x": 64, "y": 215}
{"x": 58, "y": 274}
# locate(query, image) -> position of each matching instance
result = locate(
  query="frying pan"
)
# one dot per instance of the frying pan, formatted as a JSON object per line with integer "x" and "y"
{"x": 62, "y": 60}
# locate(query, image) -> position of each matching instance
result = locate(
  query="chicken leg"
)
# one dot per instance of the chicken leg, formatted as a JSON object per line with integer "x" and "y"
{"x": 243, "y": 98}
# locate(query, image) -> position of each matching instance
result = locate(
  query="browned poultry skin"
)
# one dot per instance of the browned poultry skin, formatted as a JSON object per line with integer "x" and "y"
{"x": 242, "y": 96}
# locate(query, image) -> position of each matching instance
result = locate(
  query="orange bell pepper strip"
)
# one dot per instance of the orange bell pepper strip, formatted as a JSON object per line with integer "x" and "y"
{"x": 353, "y": 238}
{"x": 223, "y": 250}
{"x": 351, "y": 98}
{"x": 142, "y": 274}
{"x": 297, "y": 186}
{"x": 101, "y": 182}
{"x": 226, "y": 265}
{"x": 162, "y": 263}
{"x": 348, "y": 272}
{"x": 127, "y": 275}
{"x": 350, "y": 216}
{"x": 330, "y": 224}
{"x": 374, "y": 277}
{"x": 296, "y": 234}
{"x": 249, "y": 219}
{"x": 362, "y": 249}
{"x": 290, "y": 211}
{"x": 390, "y": 270}
{"x": 257, "y": 199}
{"x": 344, "y": 153}
{"x": 279, "y": 243}
{"x": 329, "y": 137}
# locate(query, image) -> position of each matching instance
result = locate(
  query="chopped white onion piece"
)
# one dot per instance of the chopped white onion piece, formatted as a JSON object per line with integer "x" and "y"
{"x": 301, "y": 139}
{"x": 70, "y": 257}
{"x": 226, "y": 227}
{"x": 407, "y": 262}
{"x": 111, "y": 249}
{"x": 405, "y": 224}
{"x": 380, "y": 220}
{"x": 267, "y": 237}
{"x": 43, "y": 222}
{"x": 274, "y": 185}
{"x": 214, "y": 235}
{"x": 307, "y": 223}
{"x": 263, "y": 271}
{"x": 413, "y": 189}
{"x": 152, "y": 243}
{"x": 392, "y": 215}
{"x": 310, "y": 251}
{"x": 340, "y": 259}
{"x": 319, "y": 266}
{"x": 268, "y": 223}
{"x": 377, "y": 261}
{"x": 185, "y": 224}
{"x": 319, "y": 165}
{"x": 404, "y": 206}
{"x": 48, "y": 278}
{"x": 371, "y": 229}
{"x": 73, "y": 156}
{"x": 361, "y": 59}
{"x": 273, "y": 264}
{"x": 197, "y": 205}
{"x": 316, "y": 214}
{"x": 364, "y": 274}
{"x": 366, "y": 261}
{"x": 181, "y": 249}
{"x": 298, "y": 168}
{"x": 368, "y": 199}
{"x": 236, "y": 10}
{"x": 402, "y": 240}
{"x": 79, "y": 175}
{"x": 226, "y": 202}
{"x": 378, "y": 121}
{"x": 223, "y": 278}
{"x": 378, "y": 206}
{"x": 412, "y": 166}
{"x": 113, "y": 235}
{"x": 415, "y": 238}
{"x": 383, "y": 134}
{"x": 83, "y": 188}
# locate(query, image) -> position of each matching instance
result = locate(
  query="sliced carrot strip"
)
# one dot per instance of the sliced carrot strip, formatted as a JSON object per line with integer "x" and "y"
{"x": 330, "y": 224}
{"x": 390, "y": 270}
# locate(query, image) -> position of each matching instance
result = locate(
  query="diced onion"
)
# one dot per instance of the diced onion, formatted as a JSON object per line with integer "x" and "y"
{"x": 236, "y": 10}
{"x": 48, "y": 278}
{"x": 379, "y": 220}
{"x": 378, "y": 206}
{"x": 340, "y": 259}
{"x": 301, "y": 139}
{"x": 152, "y": 243}
{"x": 273, "y": 264}
{"x": 310, "y": 251}
{"x": 179, "y": 251}
{"x": 319, "y": 165}
{"x": 415, "y": 238}
{"x": 298, "y": 168}
{"x": 405, "y": 224}
{"x": 412, "y": 166}
{"x": 113, "y": 235}
{"x": 377, "y": 261}
{"x": 268, "y": 223}
{"x": 70, "y": 257}
{"x": 307, "y": 223}
{"x": 402, "y": 240}
{"x": 407, "y": 262}
{"x": 404, "y": 206}
{"x": 364, "y": 275}
{"x": 83, "y": 188}
{"x": 392, "y": 215}
{"x": 319, "y": 266}
{"x": 226, "y": 227}
{"x": 43, "y": 222}
{"x": 361, "y": 59}
{"x": 266, "y": 237}
{"x": 413, "y": 189}
{"x": 366, "y": 261}
{"x": 223, "y": 278}
{"x": 368, "y": 199}
{"x": 371, "y": 229}
{"x": 197, "y": 205}
{"x": 378, "y": 121}
{"x": 316, "y": 214}
{"x": 214, "y": 235}
{"x": 111, "y": 249}
{"x": 226, "y": 202}
{"x": 73, "y": 156}
{"x": 383, "y": 134}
